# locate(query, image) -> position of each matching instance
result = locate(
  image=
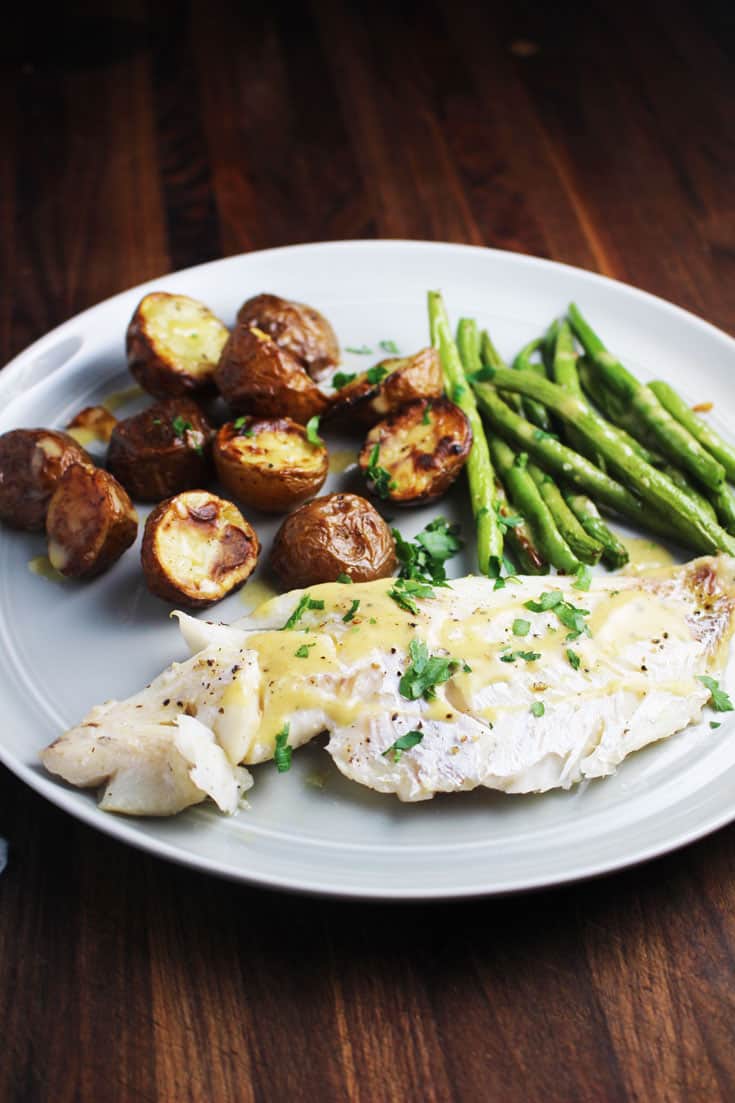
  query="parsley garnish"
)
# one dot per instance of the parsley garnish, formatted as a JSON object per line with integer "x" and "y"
{"x": 541, "y": 434}
{"x": 426, "y": 419}
{"x": 405, "y": 590}
{"x": 507, "y": 520}
{"x": 352, "y": 610}
{"x": 537, "y": 708}
{"x": 403, "y": 743}
{"x": 484, "y": 375}
{"x": 424, "y": 559}
{"x": 312, "y": 431}
{"x": 363, "y": 350}
{"x": 714, "y": 724}
{"x": 719, "y": 700}
{"x": 583, "y": 579}
{"x": 305, "y": 602}
{"x": 303, "y": 651}
{"x": 376, "y": 374}
{"x": 457, "y": 391}
{"x": 180, "y": 425}
{"x": 521, "y": 461}
{"x": 345, "y": 578}
{"x": 341, "y": 379}
{"x": 569, "y": 615}
{"x": 282, "y": 753}
{"x": 573, "y": 659}
{"x": 527, "y": 656}
{"x": 425, "y": 672}
{"x": 521, "y": 627}
{"x": 378, "y": 476}
{"x": 549, "y": 599}
{"x": 389, "y": 346}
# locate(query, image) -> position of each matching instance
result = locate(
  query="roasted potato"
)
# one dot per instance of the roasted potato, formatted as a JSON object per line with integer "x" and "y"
{"x": 257, "y": 376}
{"x": 197, "y": 548}
{"x": 162, "y": 450}
{"x": 382, "y": 390}
{"x": 90, "y": 522}
{"x": 295, "y": 327}
{"x": 173, "y": 344}
{"x": 31, "y": 463}
{"x": 415, "y": 455}
{"x": 334, "y": 535}
{"x": 269, "y": 464}
{"x": 92, "y": 423}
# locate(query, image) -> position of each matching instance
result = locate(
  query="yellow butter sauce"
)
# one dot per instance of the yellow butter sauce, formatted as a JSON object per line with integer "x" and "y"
{"x": 115, "y": 399}
{"x": 646, "y": 554}
{"x": 41, "y": 565}
{"x": 255, "y": 593}
{"x": 340, "y": 459}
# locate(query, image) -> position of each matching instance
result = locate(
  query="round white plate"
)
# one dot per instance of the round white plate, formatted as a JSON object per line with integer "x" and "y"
{"x": 67, "y": 646}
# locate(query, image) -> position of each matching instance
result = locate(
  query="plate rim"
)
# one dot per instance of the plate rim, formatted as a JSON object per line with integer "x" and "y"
{"x": 127, "y": 831}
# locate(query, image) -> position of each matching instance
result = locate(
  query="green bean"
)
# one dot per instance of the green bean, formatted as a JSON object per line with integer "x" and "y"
{"x": 614, "y": 552}
{"x": 585, "y": 547}
{"x": 699, "y": 429}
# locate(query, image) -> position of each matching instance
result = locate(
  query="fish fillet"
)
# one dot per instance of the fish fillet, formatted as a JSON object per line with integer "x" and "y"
{"x": 532, "y": 701}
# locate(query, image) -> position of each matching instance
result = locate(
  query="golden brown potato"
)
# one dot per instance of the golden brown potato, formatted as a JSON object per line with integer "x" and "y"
{"x": 173, "y": 344}
{"x": 90, "y": 522}
{"x": 31, "y": 463}
{"x": 382, "y": 390}
{"x": 162, "y": 450}
{"x": 334, "y": 535}
{"x": 92, "y": 423}
{"x": 269, "y": 464}
{"x": 295, "y": 327}
{"x": 256, "y": 376}
{"x": 415, "y": 455}
{"x": 197, "y": 548}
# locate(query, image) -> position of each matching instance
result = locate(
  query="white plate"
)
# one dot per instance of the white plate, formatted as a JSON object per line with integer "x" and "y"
{"x": 68, "y": 646}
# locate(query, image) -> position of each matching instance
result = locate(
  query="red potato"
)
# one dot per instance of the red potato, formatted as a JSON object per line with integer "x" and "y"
{"x": 269, "y": 463}
{"x": 197, "y": 548}
{"x": 90, "y": 522}
{"x": 299, "y": 329}
{"x": 31, "y": 463}
{"x": 173, "y": 344}
{"x": 162, "y": 450}
{"x": 385, "y": 388}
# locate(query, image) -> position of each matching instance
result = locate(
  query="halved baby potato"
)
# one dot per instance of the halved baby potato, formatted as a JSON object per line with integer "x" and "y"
{"x": 415, "y": 455}
{"x": 161, "y": 450}
{"x": 269, "y": 464}
{"x": 90, "y": 522}
{"x": 92, "y": 423}
{"x": 338, "y": 534}
{"x": 173, "y": 344}
{"x": 256, "y": 376}
{"x": 295, "y": 327}
{"x": 197, "y": 548}
{"x": 31, "y": 463}
{"x": 388, "y": 386}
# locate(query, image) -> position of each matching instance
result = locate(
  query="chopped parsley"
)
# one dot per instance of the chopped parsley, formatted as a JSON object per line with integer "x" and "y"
{"x": 549, "y": 599}
{"x": 719, "y": 700}
{"x": 351, "y": 611}
{"x": 376, "y": 374}
{"x": 403, "y": 743}
{"x": 537, "y": 708}
{"x": 521, "y": 461}
{"x": 573, "y": 659}
{"x": 378, "y": 476}
{"x": 569, "y": 615}
{"x": 426, "y": 419}
{"x": 389, "y": 346}
{"x": 345, "y": 578}
{"x": 363, "y": 350}
{"x": 404, "y": 591}
{"x": 181, "y": 427}
{"x": 424, "y": 558}
{"x": 342, "y": 378}
{"x": 425, "y": 672}
{"x": 521, "y": 627}
{"x": 714, "y": 724}
{"x": 583, "y": 579}
{"x": 282, "y": 752}
{"x": 312, "y": 431}
{"x": 507, "y": 520}
{"x": 305, "y": 602}
{"x": 303, "y": 651}
{"x": 457, "y": 391}
{"x": 484, "y": 375}
{"x": 541, "y": 434}
{"x": 527, "y": 656}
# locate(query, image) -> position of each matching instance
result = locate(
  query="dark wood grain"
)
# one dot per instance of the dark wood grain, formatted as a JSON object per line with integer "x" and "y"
{"x": 144, "y": 138}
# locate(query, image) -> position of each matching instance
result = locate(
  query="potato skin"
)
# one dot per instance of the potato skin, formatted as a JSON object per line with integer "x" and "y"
{"x": 229, "y": 549}
{"x": 333, "y": 535}
{"x": 256, "y": 376}
{"x": 155, "y": 362}
{"x": 269, "y": 463}
{"x": 154, "y": 457}
{"x": 295, "y": 327}
{"x": 31, "y": 463}
{"x": 90, "y": 523}
{"x": 93, "y": 423}
{"x": 423, "y": 448}
{"x": 363, "y": 403}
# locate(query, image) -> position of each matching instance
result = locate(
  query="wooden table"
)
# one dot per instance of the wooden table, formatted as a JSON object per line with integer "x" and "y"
{"x": 139, "y": 144}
